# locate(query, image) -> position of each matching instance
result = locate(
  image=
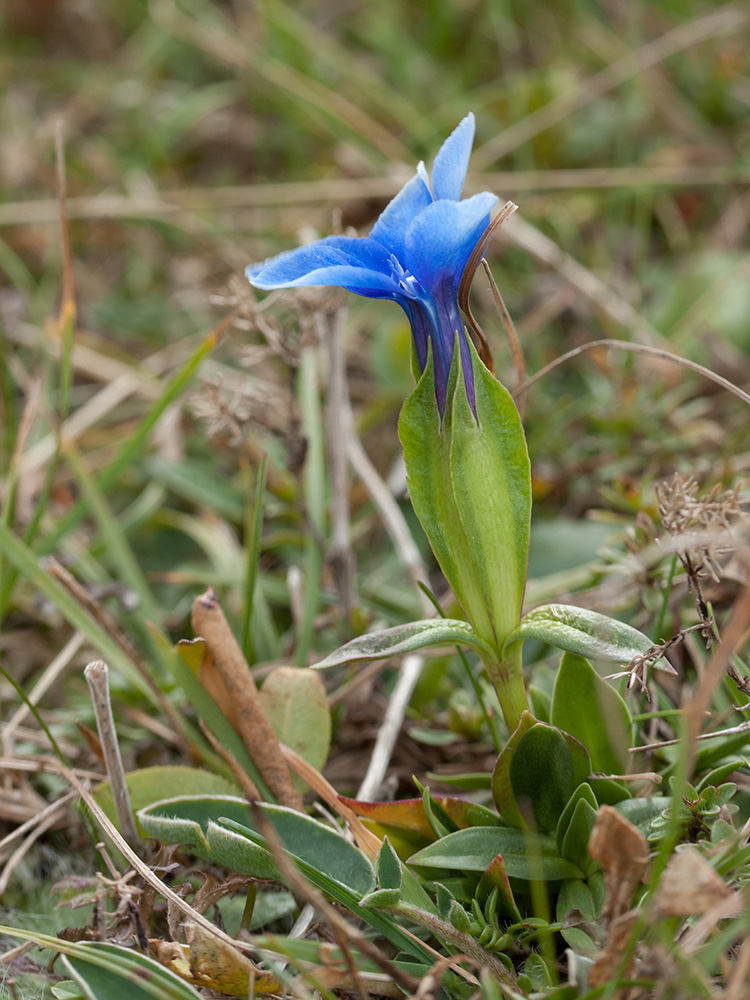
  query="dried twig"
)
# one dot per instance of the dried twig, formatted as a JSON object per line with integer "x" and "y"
{"x": 514, "y": 341}
{"x": 253, "y": 724}
{"x": 96, "y": 674}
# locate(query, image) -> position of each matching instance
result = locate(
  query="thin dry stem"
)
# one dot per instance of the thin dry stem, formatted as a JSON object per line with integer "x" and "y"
{"x": 50, "y": 676}
{"x": 624, "y": 345}
{"x": 96, "y": 674}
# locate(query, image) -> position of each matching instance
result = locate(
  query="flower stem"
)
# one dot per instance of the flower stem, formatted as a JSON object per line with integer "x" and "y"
{"x": 506, "y": 674}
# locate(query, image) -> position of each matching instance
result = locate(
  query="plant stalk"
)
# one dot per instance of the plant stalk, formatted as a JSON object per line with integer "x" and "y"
{"x": 506, "y": 675}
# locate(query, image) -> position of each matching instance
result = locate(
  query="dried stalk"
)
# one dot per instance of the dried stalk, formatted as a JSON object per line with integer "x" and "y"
{"x": 96, "y": 674}
{"x": 253, "y": 724}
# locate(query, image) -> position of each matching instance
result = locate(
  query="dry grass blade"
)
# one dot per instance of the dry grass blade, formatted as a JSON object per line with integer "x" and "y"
{"x": 390, "y": 727}
{"x": 50, "y": 676}
{"x": 31, "y": 830}
{"x": 514, "y": 341}
{"x": 623, "y": 345}
{"x": 110, "y": 626}
{"x": 179, "y": 203}
{"x": 464, "y": 289}
{"x": 67, "y": 303}
{"x": 600, "y": 295}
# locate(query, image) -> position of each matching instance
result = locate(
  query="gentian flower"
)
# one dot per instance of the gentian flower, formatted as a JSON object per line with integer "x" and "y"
{"x": 415, "y": 254}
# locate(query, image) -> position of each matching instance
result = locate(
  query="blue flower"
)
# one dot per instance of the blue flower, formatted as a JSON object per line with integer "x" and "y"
{"x": 415, "y": 254}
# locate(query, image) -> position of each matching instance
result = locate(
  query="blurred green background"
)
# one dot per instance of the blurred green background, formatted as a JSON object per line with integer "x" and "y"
{"x": 200, "y": 137}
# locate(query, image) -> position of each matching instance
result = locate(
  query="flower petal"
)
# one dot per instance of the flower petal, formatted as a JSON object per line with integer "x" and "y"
{"x": 361, "y": 265}
{"x": 440, "y": 240}
{"x": 452, "y": 161}
{"x": 391, "y": 227}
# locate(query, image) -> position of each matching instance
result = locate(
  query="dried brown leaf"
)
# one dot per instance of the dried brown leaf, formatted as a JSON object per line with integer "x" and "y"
{"x": 689, "y": 886}
{"x": 622, "y": 851}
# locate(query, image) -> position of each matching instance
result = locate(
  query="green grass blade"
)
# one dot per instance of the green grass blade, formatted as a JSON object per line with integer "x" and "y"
{"x": 132, "y": 449}
{"x": 114, "y": 538}
{"x": 314, "y": 492}
{"x": 254, "y": 522}
{"x": 25, "y": 561}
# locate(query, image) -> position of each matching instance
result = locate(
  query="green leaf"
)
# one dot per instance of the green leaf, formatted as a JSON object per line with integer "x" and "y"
{"x": 583, "y": 792}
{"x": 137, "y": 977}
{"x": 576, "y": 895}
{"x": 491, "y": 479}
{"x": 525, "y": 855}
{"x": 381, "y": 899}
{"x": 470, "y": 486}
{"x": 609, "y": 792}
{"x": 67, "y": 990}
{"x": 575, "y": 841}
{"x": 390, "y": 875}
{"x": 109, "y": 972}
{"x": 296, "y": 703}
{"x": 495, "y": 876}
{"x": 185, "y": 819}
{"x": 502, "y": 790}
{"x": 405, "y": 639}
{"x": 541, "y": 776}
{"x": 590, "y": 709}
{"x": 154, "y": 784}
{"x": 578, "y": 630}
{"x": 316, "y": 844}
{"x": 408, "y": 814}
{"x": 641, "y": 812}
{"x": 347, "y": 896}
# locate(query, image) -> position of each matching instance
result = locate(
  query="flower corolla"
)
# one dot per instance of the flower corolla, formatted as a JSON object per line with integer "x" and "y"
{"x": 415, "y": 254}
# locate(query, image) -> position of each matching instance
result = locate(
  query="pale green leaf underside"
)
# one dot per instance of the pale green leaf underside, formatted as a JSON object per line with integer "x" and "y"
{"x": 405, "y": 639}
{"x": 581, "y": 631}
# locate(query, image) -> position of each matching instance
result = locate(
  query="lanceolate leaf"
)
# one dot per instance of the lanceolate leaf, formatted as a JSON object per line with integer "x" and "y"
{"x": 590, "y": 709}
{"x": 491, "y": 480}
{"x": 502, "y": 790}
{"x": 525, "y": 855}
{"x": 405, "y": 639}
{"x": 469, "y": 484}
{"x": 581, "y": 631}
